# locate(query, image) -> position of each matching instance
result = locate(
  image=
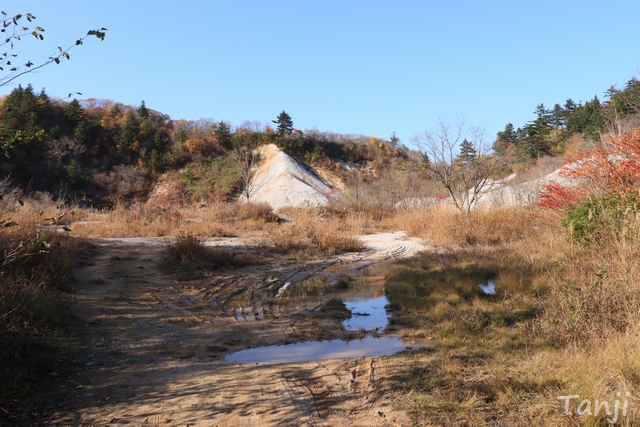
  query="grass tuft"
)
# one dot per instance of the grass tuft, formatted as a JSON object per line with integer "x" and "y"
{"x": 188, "y": 255}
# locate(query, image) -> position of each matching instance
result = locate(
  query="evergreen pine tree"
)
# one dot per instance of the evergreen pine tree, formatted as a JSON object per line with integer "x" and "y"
{"x": 467, "y": 152}
{"x": 394, "y": 139}
{"x": 285, "y": 124}
{"x": 129, "y": 133}
{"x": 73, "y": 112}
{"x": 505, "y": 139}
{"x": 143, "y": 111}
{"x": 569, "y": 106}
{"x": 223, "y": 133}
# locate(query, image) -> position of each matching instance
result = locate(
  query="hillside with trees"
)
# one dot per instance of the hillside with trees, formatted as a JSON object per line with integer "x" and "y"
{"x": 103, "y": 152}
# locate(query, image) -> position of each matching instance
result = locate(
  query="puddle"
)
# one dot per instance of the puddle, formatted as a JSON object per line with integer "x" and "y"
{"x": 320, "y": 350}
{"x": 488, "y": 287}
{"x": 367, "y": 302}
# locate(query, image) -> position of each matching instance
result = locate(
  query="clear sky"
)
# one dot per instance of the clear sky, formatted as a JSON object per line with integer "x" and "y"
{"x": 347, "y": 66}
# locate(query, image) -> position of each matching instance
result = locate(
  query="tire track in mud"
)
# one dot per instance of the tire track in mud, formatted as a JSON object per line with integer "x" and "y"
{"x": 154, "y": 346}
{"x": 269, "y": 283}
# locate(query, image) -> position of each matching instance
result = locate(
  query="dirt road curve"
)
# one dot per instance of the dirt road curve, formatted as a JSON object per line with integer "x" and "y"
{"x": 150, "y": 351}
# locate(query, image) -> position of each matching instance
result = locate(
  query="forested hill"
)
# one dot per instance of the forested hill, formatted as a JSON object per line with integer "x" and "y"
{"x": 108, "y": 151}
{"x": 103, "y": 151}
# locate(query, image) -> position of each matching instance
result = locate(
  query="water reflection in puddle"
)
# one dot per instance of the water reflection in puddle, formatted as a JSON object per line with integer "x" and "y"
{"x": 320, "y": 350}
{"x": 488, "y": 287}
{"x": 367, "y": 302}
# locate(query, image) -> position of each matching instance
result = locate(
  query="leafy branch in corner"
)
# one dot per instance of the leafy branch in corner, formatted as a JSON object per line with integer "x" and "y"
{"x": 13, "y": 31}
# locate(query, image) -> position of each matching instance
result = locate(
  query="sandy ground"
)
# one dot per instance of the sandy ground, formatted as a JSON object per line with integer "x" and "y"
{"x": 150, "y": 350}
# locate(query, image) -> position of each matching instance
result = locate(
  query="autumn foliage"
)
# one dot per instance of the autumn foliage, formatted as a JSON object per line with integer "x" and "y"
{"x": 555, "y": 196}
{"x": 613, "y": 169}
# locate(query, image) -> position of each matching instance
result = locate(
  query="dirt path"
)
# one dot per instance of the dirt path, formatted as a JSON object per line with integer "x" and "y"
{"x": 151, "y": 346}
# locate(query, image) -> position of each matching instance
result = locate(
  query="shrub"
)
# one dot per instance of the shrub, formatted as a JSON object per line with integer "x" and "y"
{"x": 555, "y": 196}
{"x": 335, "y": 308}
{"x": 257, "y": 210}
{"x": 188, "y": 254}
{"x": 598, "y": 215}
{"x": 613, "y": 168}
{"x": 123, "y": 183}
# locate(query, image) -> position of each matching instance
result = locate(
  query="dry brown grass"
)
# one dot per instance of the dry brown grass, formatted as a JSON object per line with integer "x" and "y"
{"x": 444, "y": 225}
{"x": 564, "y": 321}
{"x": 313, "y": 233}
{"x": 605, "y": 370}
{"x": 596, "y": 292}
{"x": 260, "y": 211}
{"x": 145, "y": 220}
{"x": 188, "y": 257}
{"x": 35, "y": 265}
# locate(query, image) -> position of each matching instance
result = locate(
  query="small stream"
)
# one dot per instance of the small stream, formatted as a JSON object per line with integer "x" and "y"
{"x": 367, "y": 303}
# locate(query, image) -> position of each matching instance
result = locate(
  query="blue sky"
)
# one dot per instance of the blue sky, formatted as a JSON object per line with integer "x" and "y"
{"x": 360, "y": 67}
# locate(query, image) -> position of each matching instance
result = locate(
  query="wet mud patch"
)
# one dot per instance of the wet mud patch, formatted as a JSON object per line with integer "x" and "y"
{"x": 150, "y": 346}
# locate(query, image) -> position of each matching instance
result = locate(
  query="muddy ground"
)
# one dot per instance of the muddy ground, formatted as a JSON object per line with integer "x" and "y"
{"x": 150, "y": 348}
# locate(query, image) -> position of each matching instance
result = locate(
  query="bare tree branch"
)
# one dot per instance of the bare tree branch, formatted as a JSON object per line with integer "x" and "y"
{"x": 12, "y": 31}
{"x": 465, "y": 180}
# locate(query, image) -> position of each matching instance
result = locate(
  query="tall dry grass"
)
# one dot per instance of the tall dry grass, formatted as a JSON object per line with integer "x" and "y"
{"x": 446, "y": 226}
{"x": 188, "y": 257}
{"x": 565, "y": 324}
{"x": 146, "y": 220}
{"x": 596, "y": 292}
{"x": 315, "y": 232}
{"x": 35, "y": 266}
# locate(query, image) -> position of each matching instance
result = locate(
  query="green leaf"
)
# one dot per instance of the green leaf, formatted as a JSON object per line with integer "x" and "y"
{"x": 11, "y": 224}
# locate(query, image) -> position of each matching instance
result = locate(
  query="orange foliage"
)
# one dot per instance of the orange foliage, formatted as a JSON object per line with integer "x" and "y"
{"x": 196, "y": 145}
{"x": 555, "y": 196}
{"x": 614, "y": 169}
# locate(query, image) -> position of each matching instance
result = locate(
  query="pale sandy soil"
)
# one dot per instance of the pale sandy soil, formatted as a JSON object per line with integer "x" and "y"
{"x": 281, "y": 181}
{"x": 150, "y": 349}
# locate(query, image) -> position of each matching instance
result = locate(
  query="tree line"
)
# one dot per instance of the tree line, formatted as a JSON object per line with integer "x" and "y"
{"x": 548, "y": 133}
{"x": 106, "y": 151}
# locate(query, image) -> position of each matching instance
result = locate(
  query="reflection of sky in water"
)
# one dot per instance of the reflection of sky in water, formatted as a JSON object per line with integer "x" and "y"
{"x": 319, "y": 350}
{"x": 488, "y": 287}
{"x": 368, "y": 298}
{"x": 377, "y": 315}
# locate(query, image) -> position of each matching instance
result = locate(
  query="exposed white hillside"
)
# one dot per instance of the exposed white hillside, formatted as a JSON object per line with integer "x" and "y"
{"x": 281, "y": 181}
{"x": 501, "y": 193}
